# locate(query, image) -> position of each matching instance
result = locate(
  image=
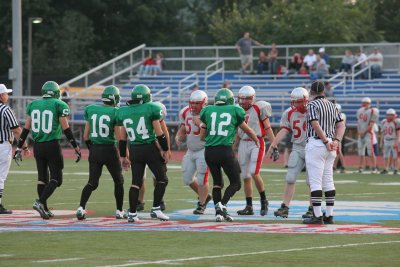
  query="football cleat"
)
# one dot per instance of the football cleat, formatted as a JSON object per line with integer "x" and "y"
{"x": 395, "y": 172}
{"x": 360, "y": 170}
{"x": 314, "y": 220}
{"x": 49, "y": 213}
{"x": 4, "y": 210}
{"x": 156, "y": 213}
{"x": 140, "y": 206}
{"x": 221, "y": 210}
{"x": 132, "y": 217}
{"x": 309, "y": 213}
{"x": 264, "y": 207}
{"x": 80, "y": 214}
{"x": 327, "y": 220}
{"x": 200, "y": 209}
{"x": 384, "y": 171}
{"x": 121, "y": 214}
{"x": 219, "y": 218}
{"x": 248, "y": 210}
{"x": 283, "y": 211}
{"x": 374, "y": 170}
{"x": 162, "y": 205}
{"x": 40, "y": 209}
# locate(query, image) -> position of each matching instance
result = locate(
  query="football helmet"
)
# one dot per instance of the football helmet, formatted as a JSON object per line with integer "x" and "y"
{"x": 51, "y": 89}
{"x": 140, "y": 94}
{"x": 224, "y": 96}
{"x": 164, "y": 109}
{"x": 198, "y": 99}
{"x": 246, "y": 97}
{"x": 339, "y": 107}
{"x": 111, "y": 95}
{"x": 390, "y": 114}
{"x": 299, "y": 99}
{"x": 366, "y": 102}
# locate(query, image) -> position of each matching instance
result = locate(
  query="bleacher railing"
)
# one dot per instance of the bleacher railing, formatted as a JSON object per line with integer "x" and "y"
{"x": 341, "y": 83}
{"x": 163, "y": 95}
{"x": 213, "y": 69}
{"x": 355, "y": 74}
{"x": 192, "y": 79}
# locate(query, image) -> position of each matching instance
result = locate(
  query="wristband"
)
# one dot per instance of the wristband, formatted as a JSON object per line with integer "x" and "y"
{"x": 25, "y": 148}
{"x": 336, "y": 139}
{"x": 122, "y": 148}
{"x": 70, "y": 137}
{"x": 22, "y": 137}
{"x": 162, "y": 140}
{"x": 325, "y": 142}
{"x": 88, "y": 143}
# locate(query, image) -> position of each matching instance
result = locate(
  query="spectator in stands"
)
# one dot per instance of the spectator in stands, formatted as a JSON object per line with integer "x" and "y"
{"x": 195, "y": 87}
{"x": 296, "y": 63}
{"x": 363, "y": 59}
{"x": 328, "y": 89}
{"x": 319, "y": 69}
{"x": 159, "y": 64}
{"x": 309, "y": 59}
{"x": 282, "y": 70}
{"x": 347, "y": 61}
{"x": 273, "y": 59}
{"x": 303, "y": 70}
{"x": 324, "y": 55}
{"x": 243, "y": 46}
{"x": 375, "y": 59}
{"x": 227, "y": 84}
{"x": 262, "y": 63}
{"x": 147, "y": 64}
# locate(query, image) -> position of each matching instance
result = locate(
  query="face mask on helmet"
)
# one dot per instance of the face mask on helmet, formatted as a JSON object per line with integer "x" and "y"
{"x": 300, "y": 104}
{"x": 196, "y": 106}
{"x": 365, "y": 104}
{"x": 390, "y": 117}
{"x": 246, "y": 101}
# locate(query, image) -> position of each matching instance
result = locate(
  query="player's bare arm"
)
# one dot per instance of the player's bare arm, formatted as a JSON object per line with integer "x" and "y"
{"x": 162, "y": 140}
{"x": 180, "y": 135}
{"x": 268, "y": 130}
{"x": 67, "y": 131}
{"x": 122, "y": 136}
{"x": 250, "y": 133}
{"x": 203, "y": 131}
{"x": 340, "y": 128}
{"x": 320, "y": 133}
{"x": 278, "y": 138}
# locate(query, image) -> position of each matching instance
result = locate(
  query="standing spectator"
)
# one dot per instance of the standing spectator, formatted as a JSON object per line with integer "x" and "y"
{"x": 376, "y": 61}
{"x": 296, "y": 63}
{"x": 195, "y": 87}
{"x": 262, "y": 63}
{"x": 273, "y": 59}
{"x": 328, "y": 89}
{"x": 227, "y": 84}
{"x": 347, "y": 61}
{"x": 243, "y": 46}
{"x": 319, "y": 69}
{"x": 9, "y": 129}
{"x": 309, "y": 59}
{"x": 324, "y": 55}
{"x": 363, "y": 59}
{"x": 325, "y": 131}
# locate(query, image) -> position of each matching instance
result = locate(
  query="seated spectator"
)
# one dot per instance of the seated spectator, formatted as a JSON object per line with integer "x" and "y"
{"x": 146, "y": 66}
{"x": 262, "y": 63}
{"x": 347, "y": 61}
{"x": 227, "y": 84}
{"x": 319, "y": 69}
{"x": 375, "y": 59}
{"x": 159, "y": 66}
{"x": 328, "y": 89}
{"x": 309, "y": 59}
{"x": 282, "y": 70}
{"x": 303, "y": 70}
{"x": 361, "y": 57}
{"x": 324, "y": 55}
{"x": 273, "y": 59}
{"x": 296, "y": 63}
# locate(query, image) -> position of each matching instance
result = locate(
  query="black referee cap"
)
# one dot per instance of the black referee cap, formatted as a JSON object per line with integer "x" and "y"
{"x": 317, "y": 87}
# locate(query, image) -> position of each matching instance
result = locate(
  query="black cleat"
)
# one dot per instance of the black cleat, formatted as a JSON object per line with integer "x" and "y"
{"x": 395, "y": 172}
{"x": 4, "y": 210}
{"x": 384, "y": 171}
{"x": 283, "y": 211}
{"x": 309, "y": 213}
{"x": 200, "y": 209}
{"x": 328, "y": 220}
{"x": 39, "y": 208}
{"x": 248, "y": 210}
{"x": 264, "y": 207}
{"x": 221, "y": 211}
{"x": 49, "y": 213}
{"x": 140, "y": 206}
{"x": 314, "y": 220}
{"x": 162, "y": 205}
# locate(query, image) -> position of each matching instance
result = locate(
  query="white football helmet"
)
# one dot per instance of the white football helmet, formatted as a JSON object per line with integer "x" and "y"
{"x": 366, "y": 102}
{"x": 198, "y": 99}
{"x": 339, "y": 107}
{"x": 299, "y": 99}
{"x": 246, "y": 97}
{"x": 390, "y": 111}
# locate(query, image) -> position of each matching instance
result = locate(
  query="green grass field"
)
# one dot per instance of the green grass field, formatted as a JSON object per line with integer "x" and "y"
{"x": 131, "y": 248}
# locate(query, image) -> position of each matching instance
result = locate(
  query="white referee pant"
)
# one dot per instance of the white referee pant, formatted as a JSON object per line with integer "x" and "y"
{"x": 5, "y": 162}
{"x": 319, "y": 162}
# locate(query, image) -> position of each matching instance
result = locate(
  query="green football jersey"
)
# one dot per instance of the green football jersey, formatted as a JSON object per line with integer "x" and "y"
{"x": 45, "y": 115}
{"x": 138, "y": 121}
{"x": 102, "y": 120}
{"x": 221, "y": 122}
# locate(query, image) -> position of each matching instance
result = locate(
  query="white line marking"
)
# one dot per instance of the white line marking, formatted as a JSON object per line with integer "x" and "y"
{"x": 251, "y": 253}
{"x": 5, "y": 255}
{"x": 59, "y": 260}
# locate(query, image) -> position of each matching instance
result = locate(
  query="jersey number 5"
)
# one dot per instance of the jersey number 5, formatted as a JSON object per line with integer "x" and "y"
{"x": 297, "y": 129}
{"x": 224, "y": 120}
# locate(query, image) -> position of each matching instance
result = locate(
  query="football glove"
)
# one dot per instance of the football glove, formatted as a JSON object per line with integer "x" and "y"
{"x": 18, "y": 156}
{"x": 275, "y": 154}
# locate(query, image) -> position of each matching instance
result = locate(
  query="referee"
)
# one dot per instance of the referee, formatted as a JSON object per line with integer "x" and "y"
{"x": 8, "y": 128}
{"x": 325, "y": 129}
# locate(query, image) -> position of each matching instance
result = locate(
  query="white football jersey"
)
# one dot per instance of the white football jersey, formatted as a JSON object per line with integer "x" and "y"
{"x": 193, "y": 141}
{"x": 255, "y": 116}
{"x": 365, "y": 116}
{"x": 389, "y": 130}
{"x": 295, "y": 122}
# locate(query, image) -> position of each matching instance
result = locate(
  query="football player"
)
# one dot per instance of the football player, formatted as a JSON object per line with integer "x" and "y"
{"x": 251, "y": 156}
{"x": 293, "y": 120}
{"x": 194, "y": 166}
{"x": 46, "y": 118}
{"x": 141, "y": 124}
{"x": 339, "y": 161}
{"x": 218, "y": 127}
{"x": 100, "y": 139}
{"x": 390, "y": 140}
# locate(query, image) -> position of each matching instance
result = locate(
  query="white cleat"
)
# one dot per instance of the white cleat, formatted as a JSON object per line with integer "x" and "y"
{"x": 80, "y": 214}
{"x": 132, "y": 217}
{"x": 156, "y": 213}
{"x": 121, "y": 214}
{"x": 219, "y": 218}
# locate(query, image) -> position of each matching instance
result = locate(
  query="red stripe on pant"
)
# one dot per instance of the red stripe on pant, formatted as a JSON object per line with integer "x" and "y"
{"x": 205, "y": 178}
{"x": 261, "y": 152}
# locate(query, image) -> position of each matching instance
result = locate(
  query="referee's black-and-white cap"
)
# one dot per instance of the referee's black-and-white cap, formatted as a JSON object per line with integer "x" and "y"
{"x": 317, "y": 87}
{"x": 4, "y": 89}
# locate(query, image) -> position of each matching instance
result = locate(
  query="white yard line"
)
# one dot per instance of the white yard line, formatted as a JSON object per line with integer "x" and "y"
{"x": 5, "y": 255}
{"x": 58, "y": 260}
{"x": 251, "y": 253}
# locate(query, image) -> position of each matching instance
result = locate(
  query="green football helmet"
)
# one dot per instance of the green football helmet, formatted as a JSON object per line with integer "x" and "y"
{"x": 111, "y": 95}
{"x": 140, "y": 94}
{"x": 51, "y": 89}
{"x": 224, "y": 96}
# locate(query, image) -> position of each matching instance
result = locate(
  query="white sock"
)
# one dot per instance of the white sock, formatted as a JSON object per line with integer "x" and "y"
{"x": 329, "y": 211}
{"x": 317, "y": 211}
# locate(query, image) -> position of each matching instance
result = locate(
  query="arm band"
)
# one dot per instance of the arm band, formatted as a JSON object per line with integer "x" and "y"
{"x": 88, "y": 143}
{"x": 162, "y": 140}
{"x": 122, "y": 148}
{"x": 22, "y": 137}
{"x": 336, "y": 139}
{"x": 70, "y": 137}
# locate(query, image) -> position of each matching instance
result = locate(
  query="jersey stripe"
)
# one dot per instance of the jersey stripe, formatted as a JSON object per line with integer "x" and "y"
{"x": 261, "y": 152}
{"x": 8, "y": 121}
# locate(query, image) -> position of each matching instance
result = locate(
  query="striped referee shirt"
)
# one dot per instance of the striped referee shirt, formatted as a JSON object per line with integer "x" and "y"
{"x": 8, "y": 121}
{"x": 326, "y": 113}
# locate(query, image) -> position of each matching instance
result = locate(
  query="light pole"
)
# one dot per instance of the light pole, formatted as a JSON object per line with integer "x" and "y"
{"x": 35, "y": 20}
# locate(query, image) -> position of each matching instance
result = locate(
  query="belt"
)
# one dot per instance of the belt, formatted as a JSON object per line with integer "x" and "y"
{"x": 316, "y": 137}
